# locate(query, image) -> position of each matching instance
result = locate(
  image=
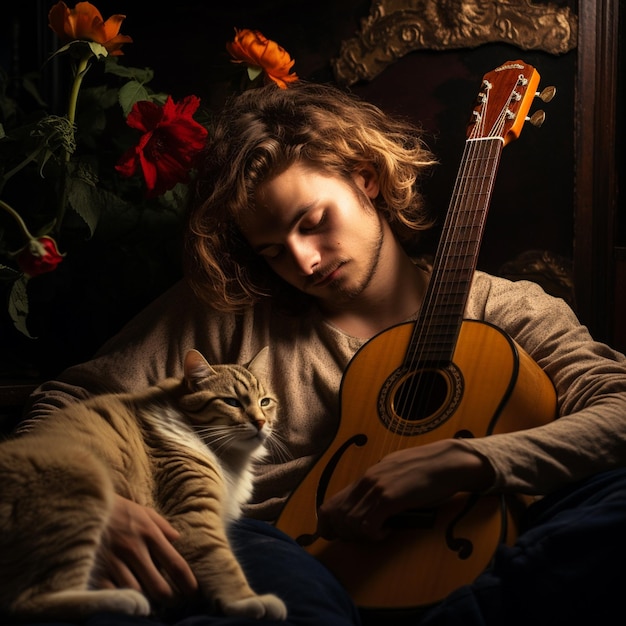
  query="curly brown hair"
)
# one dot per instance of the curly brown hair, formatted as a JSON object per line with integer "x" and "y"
{"x": 258, "y": 135}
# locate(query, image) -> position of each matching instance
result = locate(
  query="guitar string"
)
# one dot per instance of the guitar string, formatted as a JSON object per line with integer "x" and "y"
{"x": 426, "y": 332}
{"x": 468, "y": 219}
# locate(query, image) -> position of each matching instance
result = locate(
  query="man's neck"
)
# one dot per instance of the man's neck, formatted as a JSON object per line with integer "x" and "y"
{"x": 396, "y": 298}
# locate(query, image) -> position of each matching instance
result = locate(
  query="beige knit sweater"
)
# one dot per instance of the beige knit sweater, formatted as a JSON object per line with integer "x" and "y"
{"x": 309, "y": 357}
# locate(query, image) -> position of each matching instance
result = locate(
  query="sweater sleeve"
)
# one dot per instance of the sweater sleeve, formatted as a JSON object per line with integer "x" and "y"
{"x": 590, "y": 381}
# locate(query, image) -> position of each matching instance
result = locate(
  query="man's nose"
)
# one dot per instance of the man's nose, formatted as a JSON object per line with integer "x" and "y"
{"x": 305, "y": 255}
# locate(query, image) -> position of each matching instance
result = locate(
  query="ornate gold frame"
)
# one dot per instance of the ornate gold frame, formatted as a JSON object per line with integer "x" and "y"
{"x": 396, "y": 27}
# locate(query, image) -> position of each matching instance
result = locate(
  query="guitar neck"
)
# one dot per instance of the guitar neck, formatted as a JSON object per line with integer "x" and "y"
{"x": 441, "y": 314}
{"x": 500, "y": 111}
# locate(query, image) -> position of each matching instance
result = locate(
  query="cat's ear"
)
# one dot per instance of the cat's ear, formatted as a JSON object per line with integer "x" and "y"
{"x": 196, "y": 367}
{"x": 259, "y": 365}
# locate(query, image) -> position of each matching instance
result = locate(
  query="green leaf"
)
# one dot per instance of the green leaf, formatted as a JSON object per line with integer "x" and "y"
{"x": 99, "y": 96}
{"x": 159, "y": 98}
{"x": 141, "y": 75}
{"x": 176, "y": 198}
{"x": 47, "y": 228}
{"x": 78, "y": 48}
{"x": 18, "y": 305}
{"x": 130, "y": 93}
{"x": 83, "y": 198}
{"x": 98, "y": 50}
{"x": 30, "y": 83}
{"x": 254, "y": 71}
{"x": 8, "y": 274}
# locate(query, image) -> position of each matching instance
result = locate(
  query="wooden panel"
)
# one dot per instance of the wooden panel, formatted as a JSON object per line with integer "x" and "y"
{"x": 596, "y": 171}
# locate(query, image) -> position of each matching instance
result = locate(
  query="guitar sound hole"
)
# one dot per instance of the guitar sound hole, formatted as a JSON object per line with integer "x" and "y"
{"x": 420, "y": 395}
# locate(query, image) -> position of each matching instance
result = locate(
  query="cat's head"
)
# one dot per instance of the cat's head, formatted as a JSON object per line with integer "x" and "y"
{"x": 229, "y": 406}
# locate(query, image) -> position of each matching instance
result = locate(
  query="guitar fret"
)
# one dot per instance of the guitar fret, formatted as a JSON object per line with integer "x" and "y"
{"x": 441, "y": 319}
{"x": 436, "y": 330}
{"x": 455, "y": 278}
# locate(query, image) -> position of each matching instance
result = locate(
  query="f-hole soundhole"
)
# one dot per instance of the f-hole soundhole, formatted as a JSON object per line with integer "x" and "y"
{"x": 421, "y": 395}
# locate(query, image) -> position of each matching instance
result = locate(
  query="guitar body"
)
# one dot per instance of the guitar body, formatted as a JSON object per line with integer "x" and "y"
{"x": 490, "y": 386}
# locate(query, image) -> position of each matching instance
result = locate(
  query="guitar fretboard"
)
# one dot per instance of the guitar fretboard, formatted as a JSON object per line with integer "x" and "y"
{"x": 437, "y": 327}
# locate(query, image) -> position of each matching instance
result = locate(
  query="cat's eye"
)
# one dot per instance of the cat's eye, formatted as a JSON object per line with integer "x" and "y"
{"x": 232, "y": 402}
{"x": 265, "y": 401}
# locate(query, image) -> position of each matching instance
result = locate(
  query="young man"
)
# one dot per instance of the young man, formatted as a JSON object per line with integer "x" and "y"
{"x": 307, "y": 211}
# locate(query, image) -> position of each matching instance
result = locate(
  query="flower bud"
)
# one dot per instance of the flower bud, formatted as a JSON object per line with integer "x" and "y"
{"x": 39, "y": 256}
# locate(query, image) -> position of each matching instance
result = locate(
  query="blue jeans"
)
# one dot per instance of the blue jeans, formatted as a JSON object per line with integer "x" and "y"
{"x": 568, "y": 566}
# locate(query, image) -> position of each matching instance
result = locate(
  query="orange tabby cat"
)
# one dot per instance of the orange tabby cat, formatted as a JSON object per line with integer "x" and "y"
{"x": 185, "y": 447}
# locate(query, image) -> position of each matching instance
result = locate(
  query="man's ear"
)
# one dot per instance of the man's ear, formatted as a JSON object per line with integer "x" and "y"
{"x": 366, "y": 179}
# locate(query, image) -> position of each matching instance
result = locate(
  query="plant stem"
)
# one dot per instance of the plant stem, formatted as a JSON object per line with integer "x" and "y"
{"x": 81, "y": 70}
{"x": 11, "y": 211}
{"x": 17, "y": 168}
{"x": 83, "y": 66}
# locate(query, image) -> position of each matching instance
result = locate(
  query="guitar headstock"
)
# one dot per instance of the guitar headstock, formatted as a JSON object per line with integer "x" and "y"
{"x": 504, "y": 101}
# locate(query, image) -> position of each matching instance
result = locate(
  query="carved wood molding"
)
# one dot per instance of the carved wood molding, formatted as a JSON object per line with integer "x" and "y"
{"x": 396, "y": 27}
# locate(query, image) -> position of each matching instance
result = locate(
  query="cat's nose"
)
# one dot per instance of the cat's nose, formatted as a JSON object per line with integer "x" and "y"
{"x": 259, "y": 423}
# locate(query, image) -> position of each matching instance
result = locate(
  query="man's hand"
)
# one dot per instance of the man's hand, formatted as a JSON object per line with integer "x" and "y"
{"x": 417, "y": 477}
{"x": 137, "y": 553}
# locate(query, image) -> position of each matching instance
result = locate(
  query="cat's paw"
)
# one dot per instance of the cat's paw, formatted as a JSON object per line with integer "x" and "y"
{"x": 266, "y": 606}
{"x": 126, "y": 601}
{"x": 130, "y": 602}
{"x": 80, "y": 603}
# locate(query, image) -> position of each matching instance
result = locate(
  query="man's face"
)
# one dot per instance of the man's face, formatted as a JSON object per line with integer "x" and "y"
{"x": 318, "y": 232}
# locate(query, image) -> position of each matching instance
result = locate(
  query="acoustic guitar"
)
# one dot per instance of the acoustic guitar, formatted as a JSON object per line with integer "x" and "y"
{"x": 439, "y": 377}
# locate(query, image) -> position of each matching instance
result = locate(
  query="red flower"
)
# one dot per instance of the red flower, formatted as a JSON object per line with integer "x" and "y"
{"x": 41, "y": 255}
{"x": 171, "y": 141}
{"x": 254, "y": 49}
{"x": 84, "y": 22}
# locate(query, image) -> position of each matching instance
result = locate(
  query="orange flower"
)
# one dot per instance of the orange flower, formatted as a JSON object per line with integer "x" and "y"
{"x": 251, "y": 47}
{"x": 84, "y": 22}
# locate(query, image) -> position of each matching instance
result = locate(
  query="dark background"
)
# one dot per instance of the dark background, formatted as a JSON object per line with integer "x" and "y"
{"x": 532, "y": 207}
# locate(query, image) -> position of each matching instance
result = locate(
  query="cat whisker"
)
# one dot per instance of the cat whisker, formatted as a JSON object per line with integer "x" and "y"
{"x": 221, "y": 437}
{"x": 277, "y": 448}
{"x": 216, "y": 435}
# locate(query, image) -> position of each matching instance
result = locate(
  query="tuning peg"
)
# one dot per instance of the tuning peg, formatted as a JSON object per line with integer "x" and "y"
{"x": 547, "y": 94}
{"x": 537, "y": 118}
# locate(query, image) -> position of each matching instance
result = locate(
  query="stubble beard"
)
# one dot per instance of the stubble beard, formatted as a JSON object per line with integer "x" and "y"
{"x": 346, "y": 292}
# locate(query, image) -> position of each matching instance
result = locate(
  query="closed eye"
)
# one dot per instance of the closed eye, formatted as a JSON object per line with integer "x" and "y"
{"x": 271, "y": 252}
{"x": 309, "y": 224}
{"x": 309, "y": 228}
{"x": 232, "y": 402}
